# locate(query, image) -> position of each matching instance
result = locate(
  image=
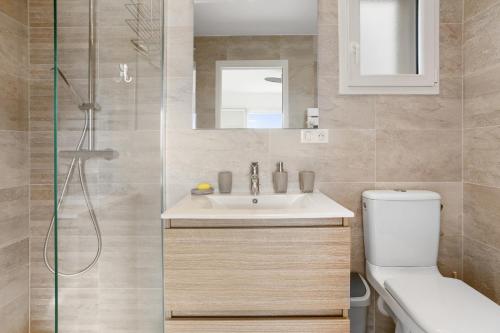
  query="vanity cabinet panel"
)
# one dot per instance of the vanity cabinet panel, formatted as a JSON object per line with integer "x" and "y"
{"x": 257, "y": 271}
{"x": 313, "y": 325}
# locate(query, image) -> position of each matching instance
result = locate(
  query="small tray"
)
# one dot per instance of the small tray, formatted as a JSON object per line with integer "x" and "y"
{"x": 195, "y": 191}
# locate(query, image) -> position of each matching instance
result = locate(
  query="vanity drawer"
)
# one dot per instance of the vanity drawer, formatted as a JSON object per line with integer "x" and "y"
{"x": 315, "y": 325}
{"x": 257, "y": 271}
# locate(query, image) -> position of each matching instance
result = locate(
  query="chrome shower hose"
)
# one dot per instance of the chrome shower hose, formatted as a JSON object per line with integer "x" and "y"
{"x": 76, "y": 162}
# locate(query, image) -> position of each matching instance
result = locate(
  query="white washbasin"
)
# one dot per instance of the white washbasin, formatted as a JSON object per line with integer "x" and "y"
{"x": 265, "y": 201}
{"x": 263, "y": 206}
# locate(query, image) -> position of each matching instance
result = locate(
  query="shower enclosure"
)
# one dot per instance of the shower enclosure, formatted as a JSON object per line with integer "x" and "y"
{"x": 97, "y": 253}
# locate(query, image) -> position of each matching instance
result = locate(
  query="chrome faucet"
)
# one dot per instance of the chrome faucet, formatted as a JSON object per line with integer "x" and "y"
{"x": 254, "y": 178}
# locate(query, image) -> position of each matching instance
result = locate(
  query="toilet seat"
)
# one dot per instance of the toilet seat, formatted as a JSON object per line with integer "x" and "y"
{"x": 443, "y": 305}
{"x": 413, "y": 295}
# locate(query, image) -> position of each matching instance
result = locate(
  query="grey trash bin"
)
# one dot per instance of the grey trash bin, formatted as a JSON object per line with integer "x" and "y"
{"x": 360, "y": 300}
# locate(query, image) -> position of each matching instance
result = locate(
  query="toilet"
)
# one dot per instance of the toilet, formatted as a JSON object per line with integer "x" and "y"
{"x": 401, "y": 235}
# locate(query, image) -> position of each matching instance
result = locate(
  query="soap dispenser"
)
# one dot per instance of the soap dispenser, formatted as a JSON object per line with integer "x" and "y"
{"x": 280, "y": 179}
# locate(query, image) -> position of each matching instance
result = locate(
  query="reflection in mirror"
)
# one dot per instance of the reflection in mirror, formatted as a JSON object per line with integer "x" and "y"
{"x": 255, "y": 63}
{"x": 389, "y": 37}
{"x": 251, "y": 94}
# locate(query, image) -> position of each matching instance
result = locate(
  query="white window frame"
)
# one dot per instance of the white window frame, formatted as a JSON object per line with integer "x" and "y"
{"x": 351, "y": 82}
{"x": 243, "y": 64}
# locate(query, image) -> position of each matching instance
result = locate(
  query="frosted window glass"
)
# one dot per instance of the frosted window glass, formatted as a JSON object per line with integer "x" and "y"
{"x": 388, "y": 37}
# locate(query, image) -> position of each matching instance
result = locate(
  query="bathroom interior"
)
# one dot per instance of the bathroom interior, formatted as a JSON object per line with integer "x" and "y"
{"x": 223, "y": 166}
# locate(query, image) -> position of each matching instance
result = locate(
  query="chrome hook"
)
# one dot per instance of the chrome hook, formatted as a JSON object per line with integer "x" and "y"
{"x": 124, "y": 76}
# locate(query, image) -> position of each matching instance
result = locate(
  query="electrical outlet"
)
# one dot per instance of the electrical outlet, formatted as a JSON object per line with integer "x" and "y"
{"x": 314, "y": 136}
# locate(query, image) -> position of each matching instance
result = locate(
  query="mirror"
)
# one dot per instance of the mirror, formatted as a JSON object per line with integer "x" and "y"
{"x": 255, "y": 64}
{"x": 389, "y": 46}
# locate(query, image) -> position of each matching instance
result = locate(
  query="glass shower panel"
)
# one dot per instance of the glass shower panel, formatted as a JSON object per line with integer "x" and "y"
{"x": 108, "y": 163}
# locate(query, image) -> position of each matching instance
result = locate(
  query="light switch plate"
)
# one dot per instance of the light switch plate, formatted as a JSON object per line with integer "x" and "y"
{"x": 314, "y": 136}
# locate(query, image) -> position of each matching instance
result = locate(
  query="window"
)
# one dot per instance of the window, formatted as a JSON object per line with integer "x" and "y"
{"x": 389, "y": 46}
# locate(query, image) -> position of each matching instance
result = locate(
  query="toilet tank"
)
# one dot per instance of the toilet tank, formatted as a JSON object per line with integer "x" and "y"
{"x": 401, "y": 228}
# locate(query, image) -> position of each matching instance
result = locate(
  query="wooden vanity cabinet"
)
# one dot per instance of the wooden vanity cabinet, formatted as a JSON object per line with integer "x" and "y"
{"x": 260, "y": 275}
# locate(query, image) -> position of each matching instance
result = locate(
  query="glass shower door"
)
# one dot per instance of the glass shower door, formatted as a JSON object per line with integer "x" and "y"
{"x": 104, "y": 244}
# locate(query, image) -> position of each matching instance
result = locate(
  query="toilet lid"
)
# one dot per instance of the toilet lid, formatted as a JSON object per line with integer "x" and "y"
{"x": 444, "y": 305}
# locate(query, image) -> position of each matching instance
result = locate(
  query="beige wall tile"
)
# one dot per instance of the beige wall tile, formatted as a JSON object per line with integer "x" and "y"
{"x": 349, "y": 156}
{"x": 41, "y": 158}
{"x": 180, "y": 13}
{"x": 133, "y": 261}
{"x": 482, "y": 156}
{"x": 427, "y": 155}
{"x": 128, "y": 209}
{"x": 14, "y": 46}
{"x": 482, "y": 83}
{"x": 136, "y": 305}
{"x": 78, "y": 310}
{"x": 342, "y": 111}
{"x": 179, "y": 59}
{"x": 14, "y": 222}
{"x": 14, "y": 283}
{"x": 179, "y": 98}
{"x": 42, "y": 310}
{"x": 482, "y": 268}
{"x": 14, "y": 255}
{"x": 420, "y": 112}
{"x": 14, "y": 316}
{"x": 451, "y": 11}
{"x": 482, "y": 65}
{"x": 328, "y": 11}
{"x": 482, "y": 99}
{"x": 14, "y": 106}
{"x": 17, "y": 9}
{"x": 138, "y": 158}
{"x": 14, "y": 158}
{"x": 41, "y": 209}
{"x": 41, "y": 13}
{"x": 482, "y": 213}
{"x": 481, "y": 41}
{"x": 328, "y": 50}
{"x": 450, "y": 50}
{"x": 14, "y": 164}
{"x": 475, "y": 7}
{"x": 211, "y": 151}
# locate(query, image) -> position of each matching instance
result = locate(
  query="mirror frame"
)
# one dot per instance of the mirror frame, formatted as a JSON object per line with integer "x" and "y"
{"x": 351, "y": 82}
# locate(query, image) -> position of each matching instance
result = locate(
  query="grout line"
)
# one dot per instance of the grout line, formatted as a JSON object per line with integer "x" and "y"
{"x": 481, "y": 185}
{"x": 462, "y": 103}
{"x": 481, "y": 127}
{"x": 29, "y": 162}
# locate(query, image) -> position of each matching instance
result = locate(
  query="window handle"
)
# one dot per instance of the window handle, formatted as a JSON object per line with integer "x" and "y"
{"x": 355, "y": 52}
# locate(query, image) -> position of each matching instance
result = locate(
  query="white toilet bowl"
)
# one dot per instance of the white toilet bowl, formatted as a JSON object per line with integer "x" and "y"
{"x": 421, "y": 300}
{"x": 401, "y": 231}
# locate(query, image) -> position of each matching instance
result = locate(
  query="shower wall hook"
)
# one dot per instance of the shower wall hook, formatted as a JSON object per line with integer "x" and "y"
{"x": 124, "y": 76}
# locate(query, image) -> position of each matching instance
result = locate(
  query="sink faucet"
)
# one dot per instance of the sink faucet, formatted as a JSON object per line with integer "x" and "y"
{"x": 254, "y": 178}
